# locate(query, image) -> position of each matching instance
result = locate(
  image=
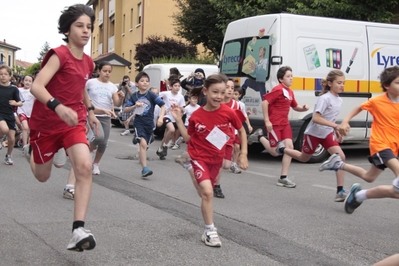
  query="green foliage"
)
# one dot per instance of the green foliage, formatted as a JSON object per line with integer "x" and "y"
{"x": 45, "y": 48}
{"x": 32, "y": 69}
{"x": 187, "y": 59}
{"x": 200, "y": 22}
{"x": 204, "y": 22}
{"x": 17, "y": 70}
{"x": 158, "y": 47}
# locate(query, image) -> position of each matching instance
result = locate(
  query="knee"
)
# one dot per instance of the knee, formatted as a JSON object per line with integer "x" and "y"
{"x": 83, "y": 170}
{"x": 207, "y": 193}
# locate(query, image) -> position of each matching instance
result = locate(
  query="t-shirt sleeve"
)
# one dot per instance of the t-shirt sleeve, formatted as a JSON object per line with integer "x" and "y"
{"x": 236, "y": 119}
{"x": 130, "y": 102}
{"x": 158, "y": 101}
{"x": 16, "y": 95}
{"x": 367, "y": 105}
{"x": 182, "y": 103}
{"x": 272, "y": 96}
{"x": 321, "y": 105}
{"x": 294, "y": 103}
{"x": 114, "y": 88}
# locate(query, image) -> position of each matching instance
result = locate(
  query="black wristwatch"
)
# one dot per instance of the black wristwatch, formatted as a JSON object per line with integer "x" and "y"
{"x": 91, "y": 108}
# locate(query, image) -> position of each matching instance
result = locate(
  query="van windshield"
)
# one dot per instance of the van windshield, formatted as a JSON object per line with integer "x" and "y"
{"x": 247, "y": 57}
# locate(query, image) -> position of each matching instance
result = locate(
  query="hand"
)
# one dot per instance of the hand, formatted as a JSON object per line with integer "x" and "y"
{"x": 250, "y": 129}
{"x": 269, "y": 126}
{"x": 243, "y": 161}
{"x": 139, "y": 104}
{"x": 176, "y": 111}
{"x": 12, "y": 102}
{"x": 121, "y": 95}
{"x": 305, "y": 107}
{"x": 338, "y": 135}
{"x": 343, "y": 129}
{"x": 248, "y": 111}
{"x": 159, "y": 121}
{"x": 94, "y": 123}
{"x": 67, "y": 115}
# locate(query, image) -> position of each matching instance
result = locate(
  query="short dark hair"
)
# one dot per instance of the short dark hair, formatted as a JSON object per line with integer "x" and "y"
{"x": 70, "y": 15}
{"x": 103, "y": 63}
{"x": 238, "y": 88}
{"x": 281, "y": 72}
{"x": 388, "y": 76}
{"x": 174, "y": 81}
{"x": 140, "y": 75}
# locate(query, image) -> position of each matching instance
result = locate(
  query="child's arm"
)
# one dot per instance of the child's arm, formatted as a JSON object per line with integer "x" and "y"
{"x": 177, "y": 114}
{"x": 303, "y": 108}
{"x": 344, "y": 126}
{"x": 265, "y": 110}
{"x": 161, "y": 115}
{"x": 243, "y": 159}
{"x": 40, "y": 92}
{"x": 248, "y": 124}
{"x": 91, "y": 118}
{"x": 15, "y": 103}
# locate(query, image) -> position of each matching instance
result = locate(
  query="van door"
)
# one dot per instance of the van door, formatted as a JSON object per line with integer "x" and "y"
{"x": 383, "y": 45}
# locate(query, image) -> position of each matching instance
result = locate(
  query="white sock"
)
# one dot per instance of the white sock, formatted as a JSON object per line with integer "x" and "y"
{"x": 69, "y": 186}
{"x": 361, "y": 196}
{"x": 209, "y": 227}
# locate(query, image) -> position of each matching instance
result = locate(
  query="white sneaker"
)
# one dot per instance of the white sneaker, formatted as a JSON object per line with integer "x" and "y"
{"x": 69, "y": 193}
{"x": 26, "y": 152}
{"x": 170, "y": 144}
{"x": 175, "y": 147}
{"x": 179, "y": 140}
{"x": 8, "y": 160}
{"x": 82, "y": 239}
{"x": 96, "y": 169}
{"x": 211, "y": 238}
{"x": 125, "y": 133}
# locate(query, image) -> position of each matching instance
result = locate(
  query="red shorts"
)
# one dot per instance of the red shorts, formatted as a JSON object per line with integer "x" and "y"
{"x": 279, "y": 133}
{"x": 237, "y": 140}
{"x": 204, "y": 171}
{"x": 228, "y": 152}
{"x": 45, "y": 145}
{"x": 23, "y": 117}
{"x": 310, "y": 143}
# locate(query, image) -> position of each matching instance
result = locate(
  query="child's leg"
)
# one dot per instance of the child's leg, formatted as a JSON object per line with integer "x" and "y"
{"x": 169, "y": 132}
{"x": 340, "y": 174}
{"x": 143, "y": 152}
{"x": 236, "y": 152}
{"x": 206, "y": 193}
{"x": 79, "y": 156}
{"x": 368, "y": 176}
{"x": 11, "y": 141}
{"x": 25, "y": 132}
{"x": 286, "y": 161}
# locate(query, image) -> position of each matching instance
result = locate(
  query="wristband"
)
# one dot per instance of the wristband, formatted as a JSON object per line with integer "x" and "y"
{"x": 53, "y": 103}
{"x": 91, "y": 108}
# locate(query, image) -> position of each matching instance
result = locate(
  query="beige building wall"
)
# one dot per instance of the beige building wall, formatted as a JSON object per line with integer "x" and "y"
{"x": 132, "y": 22}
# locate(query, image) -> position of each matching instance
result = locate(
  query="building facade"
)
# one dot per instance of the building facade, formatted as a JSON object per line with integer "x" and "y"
{"x": 7, "y": 53}
{"x": 121, "y": 24}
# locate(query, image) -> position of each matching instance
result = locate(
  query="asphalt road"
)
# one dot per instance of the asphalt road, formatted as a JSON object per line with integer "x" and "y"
{"x": 158, "y": 221}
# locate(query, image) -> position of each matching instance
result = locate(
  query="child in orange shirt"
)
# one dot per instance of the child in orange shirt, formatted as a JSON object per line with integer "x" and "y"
{"x": 384, "y": 145}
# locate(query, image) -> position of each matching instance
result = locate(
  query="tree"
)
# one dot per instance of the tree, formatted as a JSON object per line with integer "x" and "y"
{"x": 156, "y": 47}
{"x": 17, "y": 70}
{"x": 32, "y": 69}
{"x": 204, "y": 22}
{"x": 45, "y": 48}
{"x": 200, "y": 22}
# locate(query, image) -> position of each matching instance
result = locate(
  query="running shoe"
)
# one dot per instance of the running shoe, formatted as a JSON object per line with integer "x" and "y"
{"x": 9, "y": 160}
{"x": 69, "y": 193}
{"x": 333, "y": 163}
{"x": 96, "y": 169}
{"x": 253, "y": 138}
{"x": 350, "y": 202}
{"x": 341, "y": 196}
{"x": 82, "y": 239}
{"x": 285, "y": 182}
{"x": 217, "y": 192}
{"x": 211, "y": 238}
{"x": 146, "y": 172}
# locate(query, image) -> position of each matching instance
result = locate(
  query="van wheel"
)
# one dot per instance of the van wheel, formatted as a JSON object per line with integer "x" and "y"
{"x": 320, "y": 153}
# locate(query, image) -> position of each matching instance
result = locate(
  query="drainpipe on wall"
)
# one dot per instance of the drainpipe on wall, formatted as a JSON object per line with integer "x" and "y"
{"x": 142, "y": 21}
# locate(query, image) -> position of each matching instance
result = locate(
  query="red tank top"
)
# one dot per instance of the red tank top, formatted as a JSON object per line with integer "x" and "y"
{"x": 67, "y": 86}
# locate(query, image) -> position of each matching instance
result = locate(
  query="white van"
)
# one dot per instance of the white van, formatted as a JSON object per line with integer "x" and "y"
{"x": 160, "y": 72}
{"x": 311, "y": 46}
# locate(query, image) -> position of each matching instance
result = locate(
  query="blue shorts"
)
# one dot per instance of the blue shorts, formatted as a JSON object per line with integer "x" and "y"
{"x": 10, "y": 121}
{"x": 146, "y": 133}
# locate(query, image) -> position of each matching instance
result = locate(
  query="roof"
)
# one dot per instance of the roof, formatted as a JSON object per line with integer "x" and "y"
{"x": 23, "y": 64}
{"x": 113, "y": 59}
{"x": 9, "y": 46}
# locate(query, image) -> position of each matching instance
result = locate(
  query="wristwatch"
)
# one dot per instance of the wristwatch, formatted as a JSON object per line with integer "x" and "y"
{"x": 91, "y": 108}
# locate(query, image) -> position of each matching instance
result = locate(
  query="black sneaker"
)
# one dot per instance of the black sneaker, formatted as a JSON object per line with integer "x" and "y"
{"x": 350, "y": 202}
{"x": 160, "y": 154}
{"x": 217, "y": 192}
{"x": 164, "y": 151}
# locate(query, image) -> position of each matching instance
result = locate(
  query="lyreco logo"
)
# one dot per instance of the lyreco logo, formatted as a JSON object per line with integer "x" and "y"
{"x": 383, "y": 59}
{"x": 231, "y": 59}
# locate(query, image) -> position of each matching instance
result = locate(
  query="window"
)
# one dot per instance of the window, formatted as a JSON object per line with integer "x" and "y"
{"x": 9, "y": 60}
{"x": 131, "y": 19}
{"x": 112, "y": 28}
{"x": 130, "y": 56}
{"x": 101, "y": 40}
{"x": 139, "y": 14}
{"x": 123, "y": 24}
